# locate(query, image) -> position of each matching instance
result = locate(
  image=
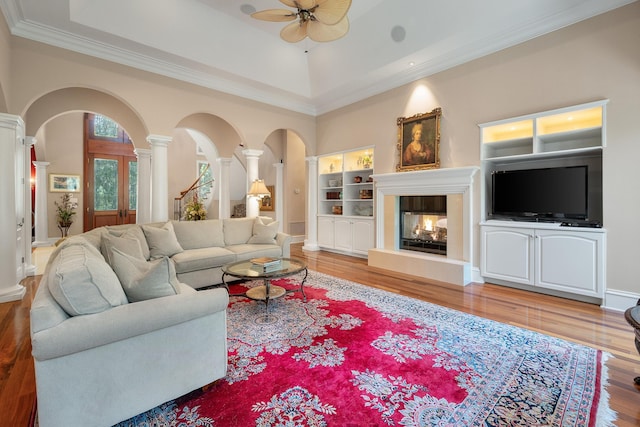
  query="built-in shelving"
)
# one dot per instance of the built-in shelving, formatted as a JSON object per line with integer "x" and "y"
{"x": 346, "y": 201}
{"x": 546, "y": 257}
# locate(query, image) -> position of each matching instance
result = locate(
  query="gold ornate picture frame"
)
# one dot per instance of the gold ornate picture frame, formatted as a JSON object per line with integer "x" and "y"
{"x": 267, "y": 203}
{"x": 419, "y": 141}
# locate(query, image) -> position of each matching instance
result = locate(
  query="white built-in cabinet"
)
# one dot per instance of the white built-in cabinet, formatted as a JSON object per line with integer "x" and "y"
{"x": 545, "y": 256}
{"x": 345, "y": 201}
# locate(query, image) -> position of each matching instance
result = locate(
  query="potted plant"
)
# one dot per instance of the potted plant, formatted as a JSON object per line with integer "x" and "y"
{"x": 65, "y": 210}
{"x": 194, "y": 210}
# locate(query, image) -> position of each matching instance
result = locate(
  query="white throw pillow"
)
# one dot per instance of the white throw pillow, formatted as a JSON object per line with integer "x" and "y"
{"x": 142, "y": 280}
{"x": 162, "y": 241}
{"x": 127, "y": 245}
{"x": 82, "y": 282}
{"x": 264, "y": 233}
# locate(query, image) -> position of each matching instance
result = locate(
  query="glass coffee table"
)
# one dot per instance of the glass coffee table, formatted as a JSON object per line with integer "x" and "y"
{"x": 247, "y": 270}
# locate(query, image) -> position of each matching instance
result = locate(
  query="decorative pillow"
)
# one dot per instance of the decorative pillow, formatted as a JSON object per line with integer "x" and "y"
{"x": 142, "y": 280}
{"x": 199, "y": 234}
{"x": 125, "y": 244}
{"x": 132, "y": 232}
{"x": 264, "y": 233}
{"x": 237, "y": 231}
{"x": 162, "y": 241}
{"x": 82, "y": 282}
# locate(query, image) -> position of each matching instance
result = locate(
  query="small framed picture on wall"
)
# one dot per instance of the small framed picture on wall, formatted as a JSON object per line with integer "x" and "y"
{"x": 64, "y": 183}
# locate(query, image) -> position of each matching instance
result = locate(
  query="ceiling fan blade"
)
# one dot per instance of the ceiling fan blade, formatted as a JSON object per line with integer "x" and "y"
{"x": 294, "y": 32}
{"x": 320, "y": 32}
{"x": 302, "y": 4}
{"x": 274, "y": 15}
{"x": 330, "y": 12}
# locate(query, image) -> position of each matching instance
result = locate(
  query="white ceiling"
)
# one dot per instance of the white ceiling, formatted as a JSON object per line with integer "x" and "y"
{"x": 214, "y": 44}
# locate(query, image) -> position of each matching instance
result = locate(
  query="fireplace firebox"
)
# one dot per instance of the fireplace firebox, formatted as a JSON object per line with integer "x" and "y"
{"x": 423, "y": 224}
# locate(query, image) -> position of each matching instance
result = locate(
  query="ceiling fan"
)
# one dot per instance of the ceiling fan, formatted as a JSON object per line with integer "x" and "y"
{"x": 320, "y": 20}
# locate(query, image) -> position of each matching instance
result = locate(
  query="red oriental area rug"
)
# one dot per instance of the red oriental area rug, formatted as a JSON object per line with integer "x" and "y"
{"x": 357, "y": 356}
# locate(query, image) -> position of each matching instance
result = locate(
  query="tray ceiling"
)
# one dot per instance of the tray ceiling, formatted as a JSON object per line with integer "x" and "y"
{"x": 216, "y": 44}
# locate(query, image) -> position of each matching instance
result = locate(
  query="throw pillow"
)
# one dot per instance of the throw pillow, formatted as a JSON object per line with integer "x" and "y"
{"x": 237, "y": 231}
{"x": 132, "y": 232}
{"x": 264, "y": 233}
{"x": 82, "y": 282}
{"x": 143, "y": 280}
{"x": 127, "y": 245}
{"x": 162, "y": 241}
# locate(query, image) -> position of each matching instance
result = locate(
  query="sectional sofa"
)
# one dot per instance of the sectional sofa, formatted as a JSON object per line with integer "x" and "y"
{"x": 117, "y": 326}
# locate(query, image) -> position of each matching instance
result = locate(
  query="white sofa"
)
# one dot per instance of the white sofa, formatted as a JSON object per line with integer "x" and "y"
{"x": 115, "y": 334}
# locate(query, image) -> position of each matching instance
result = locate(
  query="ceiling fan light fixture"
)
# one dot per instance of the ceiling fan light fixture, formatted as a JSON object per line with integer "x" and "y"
{"x": 320, "y": 20}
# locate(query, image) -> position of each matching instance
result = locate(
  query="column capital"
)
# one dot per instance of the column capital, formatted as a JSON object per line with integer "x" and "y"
{"x": 142, "y": 152}
{"x": 312, "y": 159}
{"x": 159, "y": 140}
{"x": 38, "y": 164}
{"x": 224, "y": 160}
{"x": 278, "y": 165}
{"x": 252, "y": 153}
{"x": 30, "y": 140}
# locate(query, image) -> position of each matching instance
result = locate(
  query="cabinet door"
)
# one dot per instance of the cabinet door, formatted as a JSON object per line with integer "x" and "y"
{"x": 508, "y": 254}
{"x": 363, "y": 236}
{"x": 570, "y": 261}
{"x": 326, "y": 232}
{"x": 343, "y": 234}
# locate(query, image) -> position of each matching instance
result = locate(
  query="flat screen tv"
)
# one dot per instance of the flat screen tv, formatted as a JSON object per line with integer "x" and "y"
{"x": 541, "y": 194}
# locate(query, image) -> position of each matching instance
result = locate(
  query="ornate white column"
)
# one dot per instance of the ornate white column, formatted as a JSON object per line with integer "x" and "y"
{"x": 159, "y": 177}
{"x": 311, "y": 242}
{"x": 143, "y": 210}
{"x": 224, "y": 193}
{"x": 252, "y": 156}
{"x": 29, "y": 268}
{"x": 11, "y": 132}
{"x": 42, "y": 225}
{"x": 279, "y": 195}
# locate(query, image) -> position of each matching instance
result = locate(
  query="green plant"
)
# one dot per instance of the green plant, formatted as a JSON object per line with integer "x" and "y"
{"x": 65, "y": 210}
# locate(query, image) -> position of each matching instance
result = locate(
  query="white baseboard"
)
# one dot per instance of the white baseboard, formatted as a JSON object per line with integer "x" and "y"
{"x": 619, "y": 300}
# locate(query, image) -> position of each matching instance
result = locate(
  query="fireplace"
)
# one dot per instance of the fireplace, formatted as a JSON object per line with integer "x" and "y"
{"x": 423, "y": 224}
{"x": 456, "y": 186}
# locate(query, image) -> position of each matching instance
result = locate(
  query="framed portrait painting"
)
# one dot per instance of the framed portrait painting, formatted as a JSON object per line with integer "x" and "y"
{"x": 419, "y": 141}
{"x": 64, "y": 183}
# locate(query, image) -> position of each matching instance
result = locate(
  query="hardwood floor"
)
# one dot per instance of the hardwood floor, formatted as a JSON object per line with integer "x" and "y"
{"x": 571, "y": 320}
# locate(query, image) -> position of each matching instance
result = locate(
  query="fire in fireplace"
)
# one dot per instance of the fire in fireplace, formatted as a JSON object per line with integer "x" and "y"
{"x": 423, "y": 224}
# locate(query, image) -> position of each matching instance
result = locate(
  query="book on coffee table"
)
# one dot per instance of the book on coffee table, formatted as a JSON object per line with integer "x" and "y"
{"x": 267, "y": 264}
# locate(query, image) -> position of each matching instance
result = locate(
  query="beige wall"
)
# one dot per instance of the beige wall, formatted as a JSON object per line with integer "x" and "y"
{"x": 592, "y": 60}
{"x": 595, "y": 59}
{"x": 5, "y": 64}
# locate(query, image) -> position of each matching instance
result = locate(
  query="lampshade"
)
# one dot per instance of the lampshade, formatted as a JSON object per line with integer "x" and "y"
{"x": 258, "y": 189}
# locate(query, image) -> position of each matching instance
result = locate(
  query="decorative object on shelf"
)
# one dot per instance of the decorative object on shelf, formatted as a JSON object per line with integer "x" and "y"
{"x": 365, "y": 161}
{"x": 366, "y": 194}
{"x": 419, "y": 141}
{"x": 268, "y": 202}
{"x": 336, "y": 210}
{"x": 357, "y": 179}
{"x": 65, "y": 210}
{"x": 333, "y": 195}
{"x": 333, "y": 183}
{"x": 64, "y": 183}
{"x": 194, "y": 210}
{"x": 320, "y": 20}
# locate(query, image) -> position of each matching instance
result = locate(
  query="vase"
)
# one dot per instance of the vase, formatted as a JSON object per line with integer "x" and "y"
{"x": 64, "y": 228}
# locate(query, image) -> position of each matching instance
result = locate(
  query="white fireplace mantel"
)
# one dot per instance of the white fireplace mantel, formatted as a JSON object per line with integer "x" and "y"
{"x": 431, "y": 182}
